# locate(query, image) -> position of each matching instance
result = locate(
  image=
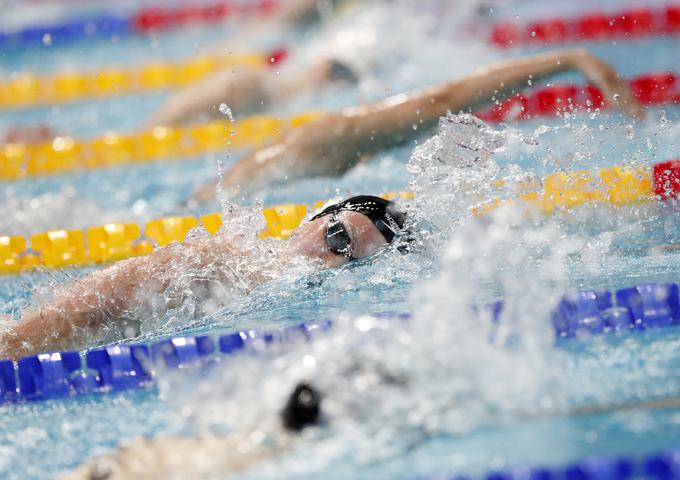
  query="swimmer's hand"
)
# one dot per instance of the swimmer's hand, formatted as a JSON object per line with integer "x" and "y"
{"x": 613, "y": 86}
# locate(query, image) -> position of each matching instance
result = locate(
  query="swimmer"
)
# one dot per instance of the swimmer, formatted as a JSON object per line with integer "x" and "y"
{"x": 207, "y": 456}
{"x": 246, "y": 90}
{"x": 337, "y": 141}
{"x": 114, "y": 300}
{"x": 214, "y": 456}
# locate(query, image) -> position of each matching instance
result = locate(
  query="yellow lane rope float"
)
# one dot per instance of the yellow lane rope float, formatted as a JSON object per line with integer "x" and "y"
{"x": 66, "y": 154}
{"x": 27, "y": 89}
{"x": 118, "y": 241}
{"x": 618, "y": 185}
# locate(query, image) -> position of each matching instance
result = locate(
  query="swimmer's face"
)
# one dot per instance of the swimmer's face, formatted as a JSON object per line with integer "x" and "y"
{"x": 335, "y": 238}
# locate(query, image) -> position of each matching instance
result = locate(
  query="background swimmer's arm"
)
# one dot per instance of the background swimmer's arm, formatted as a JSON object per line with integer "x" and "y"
{"x": 336, "y": 142}
{"x": 108, "y": 297}
{"x": 178, "y": 457}
{"x": 243, "y": 89}
{"x": 399, "y": 113}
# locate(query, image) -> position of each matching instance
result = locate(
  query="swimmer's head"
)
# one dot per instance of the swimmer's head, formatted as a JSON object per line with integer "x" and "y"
{"x": 333, "y": 71}
{"x": 354, "y": 228}
{"x": 339, "y": 71}
{"x": 302, "y": 409}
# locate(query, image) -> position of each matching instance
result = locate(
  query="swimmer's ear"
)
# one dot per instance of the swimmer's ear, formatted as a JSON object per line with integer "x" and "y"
{"x": 302, "y": 409}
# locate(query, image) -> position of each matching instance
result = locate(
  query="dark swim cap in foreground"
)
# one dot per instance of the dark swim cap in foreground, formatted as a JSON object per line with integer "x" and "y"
{"x": 384, "y": 214}
{"x": 302, "y": 409}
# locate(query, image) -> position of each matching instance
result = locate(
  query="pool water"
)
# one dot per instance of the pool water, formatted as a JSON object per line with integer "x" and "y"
{"x": 467, "y": 405}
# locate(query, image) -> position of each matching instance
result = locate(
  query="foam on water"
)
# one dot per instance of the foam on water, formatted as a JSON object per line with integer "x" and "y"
{"x": 391, "y": 384}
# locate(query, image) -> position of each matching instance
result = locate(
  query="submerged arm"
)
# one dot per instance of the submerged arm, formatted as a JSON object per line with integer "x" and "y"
{"x": 106, "y": 298}
{"x": 335, "y": 142}
{"x": 175, "y": 457}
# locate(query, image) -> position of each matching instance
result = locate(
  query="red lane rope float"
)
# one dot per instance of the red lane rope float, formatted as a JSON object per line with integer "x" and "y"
{"x": 650, "y": 89}
{"x": 159, "y": 18}
{"x": 638, "y": 22}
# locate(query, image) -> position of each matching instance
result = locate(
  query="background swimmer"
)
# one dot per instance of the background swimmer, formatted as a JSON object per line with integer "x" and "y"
{"x": 220, "y": 456}
{"x": 245, "y": 90}
{"x": 206, "y": 456}
{"x": 336, "y": 142}
{"x": 207, "y": 271}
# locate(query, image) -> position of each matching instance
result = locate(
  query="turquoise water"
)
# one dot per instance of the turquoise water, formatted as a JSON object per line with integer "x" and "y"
{"x": 590, "y": 247}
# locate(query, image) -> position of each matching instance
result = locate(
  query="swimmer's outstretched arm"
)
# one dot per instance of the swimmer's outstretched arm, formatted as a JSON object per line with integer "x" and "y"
{"x": 108, "y": 298}
{"x": 335, "y": 142}
{"x": 179, "y": 458}
{"x": 243, "y": 89}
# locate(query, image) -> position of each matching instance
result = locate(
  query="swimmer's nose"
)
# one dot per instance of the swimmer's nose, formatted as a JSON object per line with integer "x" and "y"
{"x": 302, "y": 409}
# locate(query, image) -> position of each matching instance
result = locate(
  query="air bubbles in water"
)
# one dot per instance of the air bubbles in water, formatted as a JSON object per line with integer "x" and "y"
{"x": 629, "y": 132}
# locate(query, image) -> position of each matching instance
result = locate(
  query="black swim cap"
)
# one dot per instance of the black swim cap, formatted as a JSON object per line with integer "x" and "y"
{"x": 302, "y": 409}
{"x": 384, "y": 214}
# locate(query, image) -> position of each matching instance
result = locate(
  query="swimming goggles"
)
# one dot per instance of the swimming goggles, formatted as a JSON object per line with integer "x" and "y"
{"x": 337, "y": 238}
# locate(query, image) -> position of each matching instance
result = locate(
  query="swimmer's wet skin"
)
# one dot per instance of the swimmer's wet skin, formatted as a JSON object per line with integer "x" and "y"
{"x": 246, "y": 90}
{"x": 114, "y": 298}
{"x": 205, "y": 456}
{"x": 337, "y": 141}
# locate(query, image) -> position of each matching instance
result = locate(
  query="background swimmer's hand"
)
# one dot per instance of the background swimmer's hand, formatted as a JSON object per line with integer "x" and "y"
{"x": 613, "y": 86}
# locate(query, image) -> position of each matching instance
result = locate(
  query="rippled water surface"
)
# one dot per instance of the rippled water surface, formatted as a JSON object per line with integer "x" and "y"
{"x": 442, "y": 392}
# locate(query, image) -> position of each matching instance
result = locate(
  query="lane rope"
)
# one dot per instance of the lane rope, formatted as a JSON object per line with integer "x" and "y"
{"x": 126, "y": 366}
{"x": 596, "y": 26}
{"x": 617, "y": 185}
{"x": 650, "y": 89}
{"x": 26, "y": 89}
{"x": 657, "y": 466}
{"x": 66, "y": 154}
{"x": 143, "y": 21}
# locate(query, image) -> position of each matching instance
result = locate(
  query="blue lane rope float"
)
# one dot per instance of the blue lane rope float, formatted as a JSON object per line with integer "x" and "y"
{"x": 145, "y": 20}
{"x": 115, "y": 368}
{"x": 120, "y": 367}
{"x": 57, "y": 33}
{"x": 659, "y": 466}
